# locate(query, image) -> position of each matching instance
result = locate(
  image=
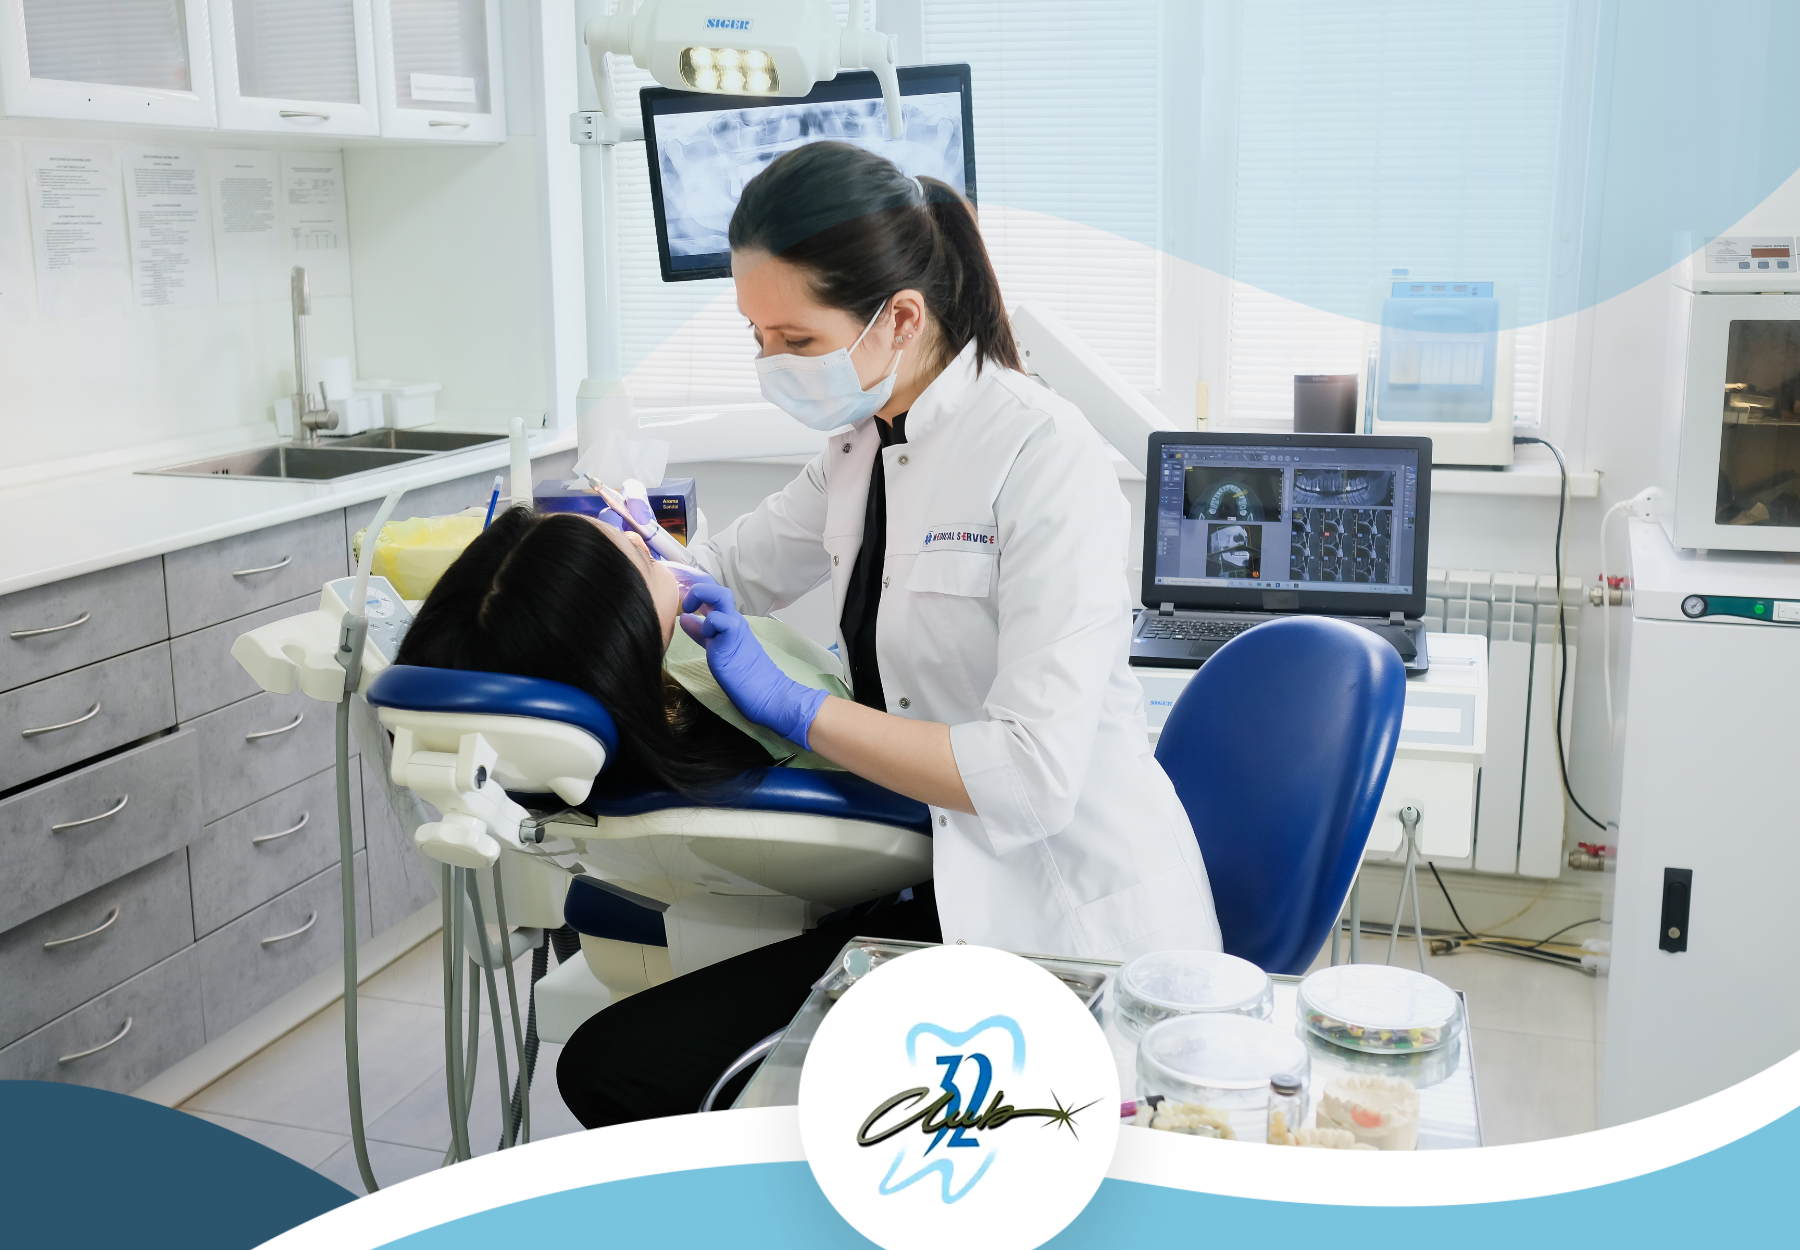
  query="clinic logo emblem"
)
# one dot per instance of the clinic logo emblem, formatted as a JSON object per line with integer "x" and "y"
{"x": 998, "y": 1124}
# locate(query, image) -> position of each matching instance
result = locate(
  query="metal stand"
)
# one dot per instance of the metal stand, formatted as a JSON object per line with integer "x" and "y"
{"x": 1409, "y": 822}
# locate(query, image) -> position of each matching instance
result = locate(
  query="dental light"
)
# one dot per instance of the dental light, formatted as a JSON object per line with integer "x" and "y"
{"x": 741, "y": 47}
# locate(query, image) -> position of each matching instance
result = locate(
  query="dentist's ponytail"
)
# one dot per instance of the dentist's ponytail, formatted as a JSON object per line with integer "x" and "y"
{"x": 862, "y": 230}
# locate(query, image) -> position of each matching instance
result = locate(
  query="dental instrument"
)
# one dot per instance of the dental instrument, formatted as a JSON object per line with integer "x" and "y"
{"x": 660, "y": 544}
{"x": 493, "y": 501}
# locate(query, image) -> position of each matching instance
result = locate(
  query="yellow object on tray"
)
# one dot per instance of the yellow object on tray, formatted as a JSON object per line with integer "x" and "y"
{"x": 413, "y": 554}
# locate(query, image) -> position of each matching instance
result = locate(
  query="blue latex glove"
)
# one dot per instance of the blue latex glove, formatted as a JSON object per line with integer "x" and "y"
{"x": 751, "y": 680}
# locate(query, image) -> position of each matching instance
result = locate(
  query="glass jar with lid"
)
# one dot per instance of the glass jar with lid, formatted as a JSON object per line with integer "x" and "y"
{"x": 1166, "y": 984}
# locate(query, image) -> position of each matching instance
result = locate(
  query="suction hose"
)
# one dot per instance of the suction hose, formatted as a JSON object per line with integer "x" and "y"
{"x": 349, "y": 656}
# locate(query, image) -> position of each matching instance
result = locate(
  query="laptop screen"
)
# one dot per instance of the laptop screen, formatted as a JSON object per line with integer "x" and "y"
{"x": 1327, "y": 523}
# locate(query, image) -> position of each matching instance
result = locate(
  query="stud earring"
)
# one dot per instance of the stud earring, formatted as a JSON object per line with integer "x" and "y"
{"x": 898, "y": 340}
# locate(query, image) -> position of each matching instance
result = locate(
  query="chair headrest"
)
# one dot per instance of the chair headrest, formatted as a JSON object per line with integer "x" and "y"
{"x": 415, "y": 689}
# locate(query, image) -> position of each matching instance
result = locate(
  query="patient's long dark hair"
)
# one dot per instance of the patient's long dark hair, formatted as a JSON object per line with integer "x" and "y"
{"x": 548, "y": 595}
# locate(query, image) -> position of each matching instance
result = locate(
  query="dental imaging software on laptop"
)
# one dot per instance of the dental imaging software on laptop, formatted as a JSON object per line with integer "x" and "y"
{"x": 1240, "y": 528}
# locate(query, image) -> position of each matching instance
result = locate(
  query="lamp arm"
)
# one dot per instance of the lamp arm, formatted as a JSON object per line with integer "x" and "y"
{"x": 870, "y": 49}
{"x": 1114, "y": 407}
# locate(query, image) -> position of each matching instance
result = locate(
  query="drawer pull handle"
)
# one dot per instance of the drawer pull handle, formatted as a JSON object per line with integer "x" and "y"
{"x": 324, "y": 117}
{"x": 270, "y": 733}
{"x": 104, "y": 926}
{"x": 267, "y": 568}
{"x": 459, "y": 125}
{"x": 282, "y": 937}
{"x": 270, "y": 837}
{"x": 114, "y": 810}
{"x": 68, "y": 724}
{"x": 49, "y": 629}
{"x": 113, "y": 1041}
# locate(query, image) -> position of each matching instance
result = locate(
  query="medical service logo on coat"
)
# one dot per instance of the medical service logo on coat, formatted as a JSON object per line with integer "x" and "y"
{"x": 961, "y": 538}
{"x": 959, "y": 1094}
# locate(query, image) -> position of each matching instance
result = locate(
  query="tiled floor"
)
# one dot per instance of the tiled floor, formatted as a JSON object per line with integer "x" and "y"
{"x": 1533, "y": 1029}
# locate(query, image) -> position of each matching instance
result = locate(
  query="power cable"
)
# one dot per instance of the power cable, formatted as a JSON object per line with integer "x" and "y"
{"x": 1562, "y": 631}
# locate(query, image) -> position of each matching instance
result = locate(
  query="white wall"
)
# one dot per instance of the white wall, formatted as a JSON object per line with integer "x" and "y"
{"x": 91, "y": 385}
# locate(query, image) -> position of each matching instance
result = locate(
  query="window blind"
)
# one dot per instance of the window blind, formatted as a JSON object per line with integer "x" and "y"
{"x": 1364, "y": 97}
{"x": 126, "y": 43}
{"x": 297, "y": 49}
{"x": 1066, "y": 142}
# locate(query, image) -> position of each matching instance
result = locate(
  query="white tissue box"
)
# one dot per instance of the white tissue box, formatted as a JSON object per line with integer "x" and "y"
{"x": 404, "y": 406}
{"x": 359, "y": 413}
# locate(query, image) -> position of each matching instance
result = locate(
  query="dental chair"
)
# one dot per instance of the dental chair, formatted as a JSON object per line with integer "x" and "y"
{"x": 655, "y": 885}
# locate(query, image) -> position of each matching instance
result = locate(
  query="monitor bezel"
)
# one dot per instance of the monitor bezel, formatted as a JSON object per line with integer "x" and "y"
{"x": 850, "y": 85}
{"x": 1327, "y": 602}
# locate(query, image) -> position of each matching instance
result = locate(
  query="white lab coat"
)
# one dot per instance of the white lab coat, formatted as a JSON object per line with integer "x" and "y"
{"x": 1006, "y": 615}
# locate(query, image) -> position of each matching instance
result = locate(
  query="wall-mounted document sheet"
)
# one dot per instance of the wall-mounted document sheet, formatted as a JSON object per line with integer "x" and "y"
{"x": 247, "y": 235}
{"x": 317, "y": 222}
{"x": 16, "y": 299}
{"x": 171, "y": 244}
{"x": 77, "y": 229}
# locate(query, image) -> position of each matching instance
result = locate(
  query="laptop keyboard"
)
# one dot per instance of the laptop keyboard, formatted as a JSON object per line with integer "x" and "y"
{"x": 1178, "y": 629}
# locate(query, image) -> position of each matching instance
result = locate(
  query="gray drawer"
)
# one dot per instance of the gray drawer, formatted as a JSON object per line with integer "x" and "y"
{"x": 52, "y": 629}
{"x": 142, "y": 917}
{"x": 218, "y": 581}
{"x": 233, "y": 872}
{"x": 162, "y": 1006}
{"x": 100, "y": 707}
{"x": 253, "y": 961}
{"x": 206, "y": 677}
{"x": 401, "y": 880}
{"x": 46, "y": 867}
{"x": 237, "y": 767}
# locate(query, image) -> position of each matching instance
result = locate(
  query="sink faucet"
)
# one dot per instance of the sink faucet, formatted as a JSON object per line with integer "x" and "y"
{"x": 308, "y": 420}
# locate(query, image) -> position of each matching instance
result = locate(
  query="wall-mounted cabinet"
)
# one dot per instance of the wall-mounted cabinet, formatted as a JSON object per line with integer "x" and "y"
{"x": 147, "y": 61}
{"x": 296, "y": 66}
{"x": 438, "y": 68}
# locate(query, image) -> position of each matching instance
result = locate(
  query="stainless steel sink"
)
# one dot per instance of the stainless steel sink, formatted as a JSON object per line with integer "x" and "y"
{"x": 283, "y": 463}
{"x": 414, "y": 440}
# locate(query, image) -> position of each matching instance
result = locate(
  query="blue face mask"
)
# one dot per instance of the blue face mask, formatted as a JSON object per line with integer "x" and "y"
{"x": 823, "y": 392}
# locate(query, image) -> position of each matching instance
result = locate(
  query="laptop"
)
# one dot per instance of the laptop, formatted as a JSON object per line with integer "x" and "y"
{"x": 1245, "y": 528}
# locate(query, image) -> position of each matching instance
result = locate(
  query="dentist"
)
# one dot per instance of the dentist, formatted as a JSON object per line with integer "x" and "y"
{"x": 971, "y": 528}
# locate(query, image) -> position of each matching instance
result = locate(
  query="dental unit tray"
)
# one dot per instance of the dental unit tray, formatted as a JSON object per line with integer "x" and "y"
{"x": 298, "y": 653}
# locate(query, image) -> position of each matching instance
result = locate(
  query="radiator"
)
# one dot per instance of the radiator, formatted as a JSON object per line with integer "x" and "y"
{"x": 1520, "y": 813}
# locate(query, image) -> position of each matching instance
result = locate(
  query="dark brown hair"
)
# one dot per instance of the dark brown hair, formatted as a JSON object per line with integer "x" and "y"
{"x": 862, "y": 230}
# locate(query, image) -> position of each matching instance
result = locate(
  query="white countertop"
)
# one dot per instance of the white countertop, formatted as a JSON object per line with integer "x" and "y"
{"x": 65, "y": 524}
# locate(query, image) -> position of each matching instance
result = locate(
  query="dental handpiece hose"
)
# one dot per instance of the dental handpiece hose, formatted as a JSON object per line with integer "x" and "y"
{"x": 353, "y": 633}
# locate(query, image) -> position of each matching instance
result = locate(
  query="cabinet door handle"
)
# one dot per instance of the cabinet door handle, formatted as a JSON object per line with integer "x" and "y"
{"x": 282, "y": 937}
{"x": 68, "y": 724}
{"x": 106, "y": 924}
{"x": 438, "y": 122}
{"x": 324, "y": 117}
{"x": 114, "y": 810}
{"x": 112, "y": 1041}
{"x": 270, "y": 837}
{"x": 49, "y": 629}
{"x": 267, "y": 568}
{"x": 270, "y": 733}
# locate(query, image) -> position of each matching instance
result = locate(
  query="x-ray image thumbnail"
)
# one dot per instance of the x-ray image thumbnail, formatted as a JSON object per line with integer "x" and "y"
{"x": 1341, "y": 545}
{"x": 1223, "y": 493}
{"x": 1344, "y": 488}
{"x": 1234, "y": 550}
{"x": 706, "y": 158}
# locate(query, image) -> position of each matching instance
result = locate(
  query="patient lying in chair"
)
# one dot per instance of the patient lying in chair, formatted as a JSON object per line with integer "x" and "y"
{"x": 563, "y": 597}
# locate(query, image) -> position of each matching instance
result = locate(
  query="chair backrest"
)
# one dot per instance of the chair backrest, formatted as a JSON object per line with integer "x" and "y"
{"x": 1280, "y": 748}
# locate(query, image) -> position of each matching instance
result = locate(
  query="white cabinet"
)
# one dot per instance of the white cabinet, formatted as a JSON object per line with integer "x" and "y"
{"x": 144, "y": 61}
{"x": 438, "y": 69}
{"x": 296, "y": 66}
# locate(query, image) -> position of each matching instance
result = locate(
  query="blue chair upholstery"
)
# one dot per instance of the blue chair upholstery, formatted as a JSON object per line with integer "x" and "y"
{"x": 419, "y": 689}
{"x": 602, "y": 911}
{"x": 1280, "y": 748}
{"x": 802, "y": 790}
{"x": 811, "y": 791}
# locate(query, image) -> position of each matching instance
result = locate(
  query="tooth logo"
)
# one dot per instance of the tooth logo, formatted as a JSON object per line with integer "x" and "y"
{"x": 955, "y": 1092}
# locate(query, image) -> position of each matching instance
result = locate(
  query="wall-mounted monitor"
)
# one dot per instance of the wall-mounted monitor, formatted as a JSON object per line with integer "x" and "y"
{"x": 704, "y": 148}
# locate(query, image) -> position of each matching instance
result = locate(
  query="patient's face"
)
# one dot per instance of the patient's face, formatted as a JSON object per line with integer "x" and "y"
{"x": 664, "y": 591}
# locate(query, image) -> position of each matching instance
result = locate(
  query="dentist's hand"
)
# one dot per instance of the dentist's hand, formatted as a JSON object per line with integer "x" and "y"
{"x": 751, "y": 680}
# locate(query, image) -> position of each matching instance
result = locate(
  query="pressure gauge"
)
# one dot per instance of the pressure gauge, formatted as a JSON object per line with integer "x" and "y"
{"x": 1694, "y": 605}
